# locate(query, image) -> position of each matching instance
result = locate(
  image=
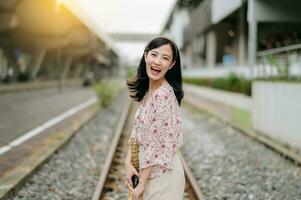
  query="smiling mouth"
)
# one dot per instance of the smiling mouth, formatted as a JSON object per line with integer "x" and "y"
{"x": 156, "y": 70}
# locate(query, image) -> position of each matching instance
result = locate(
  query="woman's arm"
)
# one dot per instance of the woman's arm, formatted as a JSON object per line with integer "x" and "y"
{"x": 144, "y": 175}
{"x": 129, "y": 169}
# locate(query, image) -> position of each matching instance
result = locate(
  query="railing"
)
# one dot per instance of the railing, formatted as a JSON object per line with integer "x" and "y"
{"x": 284, "y": 62}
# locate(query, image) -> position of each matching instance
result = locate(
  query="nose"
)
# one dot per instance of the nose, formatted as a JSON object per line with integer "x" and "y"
{"x": 157, "y": 60}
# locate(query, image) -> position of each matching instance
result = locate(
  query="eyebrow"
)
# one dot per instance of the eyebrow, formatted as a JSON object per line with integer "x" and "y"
{"x": 163, "y": 54}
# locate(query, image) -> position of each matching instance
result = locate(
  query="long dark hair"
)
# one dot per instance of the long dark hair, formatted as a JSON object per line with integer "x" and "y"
{"x": 139, "y": 85}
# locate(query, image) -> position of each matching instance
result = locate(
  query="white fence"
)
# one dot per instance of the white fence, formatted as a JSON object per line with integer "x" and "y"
{"x": 277, "y": 111}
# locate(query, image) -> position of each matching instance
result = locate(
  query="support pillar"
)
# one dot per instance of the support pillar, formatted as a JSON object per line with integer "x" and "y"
{"x": 252, "y": 50}
{"x": 67, "y": 65}
{"x": 38, "y": 63}
{"x": 78, "y": 70}
{"x": 211, "y": 49}
{"x": 241, "y": 37}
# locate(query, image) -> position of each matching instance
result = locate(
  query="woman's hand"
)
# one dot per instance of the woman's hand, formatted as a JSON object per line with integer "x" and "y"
{"x": 129, "y": 172}
{"x": 138, "y": 191}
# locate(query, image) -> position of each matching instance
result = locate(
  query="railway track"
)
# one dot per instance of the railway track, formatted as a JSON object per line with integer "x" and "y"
{"x": 72, "y": 173}
{"x": 111, "y": 182}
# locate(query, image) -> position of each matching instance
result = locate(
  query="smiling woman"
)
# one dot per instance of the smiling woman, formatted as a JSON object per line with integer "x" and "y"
{"x": 158, "y": 123}
{"x": 154, "y": 56}
{"x": 158, "y": 60}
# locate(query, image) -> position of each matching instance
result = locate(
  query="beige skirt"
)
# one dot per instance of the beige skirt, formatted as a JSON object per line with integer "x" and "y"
{"x": 168, "y": 186}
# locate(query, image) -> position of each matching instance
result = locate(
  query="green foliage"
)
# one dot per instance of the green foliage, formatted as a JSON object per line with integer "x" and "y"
{"x": 220, "y": 83}
{"x": 241, "y": 117}
{"x": 232, "y": 83}
{"x": 105, "y": 92}
{"x": 282, "y": 69}
{"x": 130, "y": 73}
{"x": 247, "y": 87}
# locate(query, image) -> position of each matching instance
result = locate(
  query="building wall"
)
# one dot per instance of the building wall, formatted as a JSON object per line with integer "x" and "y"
{"x": 278, "y": 11}
{"x": 180, "y": 20}
{"x": 207, "y": 19}
{"x": 222, "y": 8}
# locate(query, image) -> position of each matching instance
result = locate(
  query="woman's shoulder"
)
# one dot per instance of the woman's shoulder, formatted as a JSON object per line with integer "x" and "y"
{"x": 166, "y": 95}
{"x": 165, "y": 91}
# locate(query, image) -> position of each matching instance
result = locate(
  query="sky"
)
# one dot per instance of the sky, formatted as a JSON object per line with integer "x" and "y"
{"x": 125, "y": 16}
{"x": 129, "y": 15}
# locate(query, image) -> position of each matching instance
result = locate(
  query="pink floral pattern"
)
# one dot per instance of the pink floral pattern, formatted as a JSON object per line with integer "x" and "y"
{"x": 158, "y": 129}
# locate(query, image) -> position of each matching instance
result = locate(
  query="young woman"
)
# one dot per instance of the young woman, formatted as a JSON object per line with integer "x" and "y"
{"x": 158, "y": 123}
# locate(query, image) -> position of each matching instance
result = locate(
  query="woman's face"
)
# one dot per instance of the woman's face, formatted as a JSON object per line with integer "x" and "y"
{"x": 158, "y": 62}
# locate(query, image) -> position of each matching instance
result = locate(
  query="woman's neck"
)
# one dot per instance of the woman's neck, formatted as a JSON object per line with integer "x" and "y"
{"x": 153, "y": 85}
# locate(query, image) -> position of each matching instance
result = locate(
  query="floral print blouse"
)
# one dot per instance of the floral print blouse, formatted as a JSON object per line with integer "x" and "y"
{"x": 158, "y": 129}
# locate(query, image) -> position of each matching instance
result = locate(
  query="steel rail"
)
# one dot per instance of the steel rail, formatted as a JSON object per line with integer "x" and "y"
{"x": 107, "y": 165}
{"x": 195, "y": 190}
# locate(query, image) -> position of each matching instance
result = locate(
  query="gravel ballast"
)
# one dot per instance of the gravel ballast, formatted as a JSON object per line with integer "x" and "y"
{"x": 230, "y": 165}
{"x": 73, "y": 171}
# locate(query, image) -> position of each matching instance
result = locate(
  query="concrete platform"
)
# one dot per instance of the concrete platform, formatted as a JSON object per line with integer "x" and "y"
{"x": 23, "y": 111}
{"x": 21, "y": 161}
